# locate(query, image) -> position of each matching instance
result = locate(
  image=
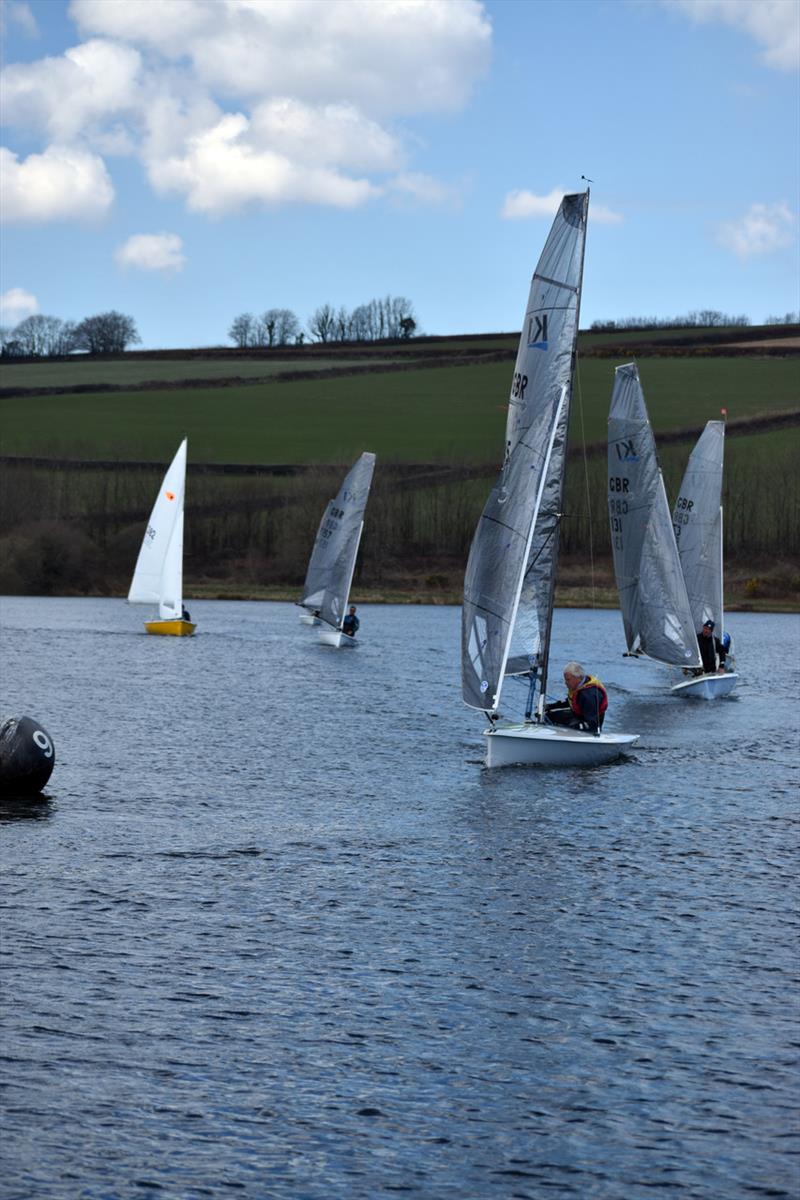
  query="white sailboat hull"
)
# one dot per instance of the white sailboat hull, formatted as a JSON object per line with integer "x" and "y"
{"x": 536, "y": 745}
{"x": 335, "y": 638}
{"x": 706, "y": 687}
{"x": 309, "y": 619}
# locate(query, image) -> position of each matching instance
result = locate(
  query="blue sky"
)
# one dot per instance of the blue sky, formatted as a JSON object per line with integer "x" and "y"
{"x": 185, "y": 161}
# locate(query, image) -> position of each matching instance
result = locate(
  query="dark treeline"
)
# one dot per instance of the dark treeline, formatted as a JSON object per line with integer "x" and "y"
{"x": 391, "y": 317}
{"x": 39, "y": 336}
{"x": 706, "y": 318}
{"x": 78, "y": 531}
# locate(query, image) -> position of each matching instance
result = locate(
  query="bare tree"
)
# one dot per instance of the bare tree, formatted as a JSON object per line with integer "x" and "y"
{"x": 106, "y": 333}
{"x": 243, "y": 331}
{"x": 322, "y": 323}
{"x": 287, "y": 327}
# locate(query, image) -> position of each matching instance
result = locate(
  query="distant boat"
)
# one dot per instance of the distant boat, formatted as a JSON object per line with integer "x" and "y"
{"x": 509, "y": 585}
{"x": 652, "y": 593}
{"x": 697, "y": 521}
{"x": 333, "y": 559}
{"x": 158, "y": 578}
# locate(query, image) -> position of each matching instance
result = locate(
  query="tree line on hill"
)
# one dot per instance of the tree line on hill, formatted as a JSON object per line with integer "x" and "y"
{"x": 706, "y": 318}
{"x": 40, "y": 336}
{"x": 391, "y": 317}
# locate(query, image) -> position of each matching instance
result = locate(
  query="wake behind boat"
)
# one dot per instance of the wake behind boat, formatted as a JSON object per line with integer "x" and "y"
{"x": 158, "y": 577}
{"x": 697, "y": 521}
{"x": 509, "y": 586}
{"x": 333, "y": 560}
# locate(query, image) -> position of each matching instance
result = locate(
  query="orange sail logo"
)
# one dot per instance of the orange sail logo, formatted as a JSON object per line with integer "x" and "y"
{"x": 170, "y": 495}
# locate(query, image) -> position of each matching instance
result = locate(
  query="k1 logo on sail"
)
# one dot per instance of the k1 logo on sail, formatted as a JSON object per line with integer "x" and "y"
{"x": 537, "y": 332}
{"x": 626, "y": 451}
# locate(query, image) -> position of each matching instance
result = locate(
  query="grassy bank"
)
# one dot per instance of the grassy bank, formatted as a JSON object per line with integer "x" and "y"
{"x": 438, "y": 432}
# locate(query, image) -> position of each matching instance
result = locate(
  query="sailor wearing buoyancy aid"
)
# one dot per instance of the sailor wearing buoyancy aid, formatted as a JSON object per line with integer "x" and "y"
{"x": 586, "y": 702}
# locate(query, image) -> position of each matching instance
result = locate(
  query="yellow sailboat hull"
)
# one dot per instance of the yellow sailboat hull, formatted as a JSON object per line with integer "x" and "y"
{"x": 171, "y": 628}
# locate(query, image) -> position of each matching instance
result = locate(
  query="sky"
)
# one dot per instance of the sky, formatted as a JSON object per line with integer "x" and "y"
{"x": 185, "y": 161}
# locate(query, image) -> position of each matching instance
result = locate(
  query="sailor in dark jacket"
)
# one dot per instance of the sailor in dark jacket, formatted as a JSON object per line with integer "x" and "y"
{"x": 586, "y": 702}
{"x": 351, "y": 622}
{"x": 712, "y": 651}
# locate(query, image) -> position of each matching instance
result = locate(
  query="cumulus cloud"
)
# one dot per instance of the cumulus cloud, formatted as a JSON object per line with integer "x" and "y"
{"x": 773, "y": 24}
{"x": 15, "y": 305}
{"x": 63, "y": 183}
{"x": 398, "y": 56}
{"x": 151, "y": 252}
{"x": 222, "y": 172}
{"x": 764, "y": 229}
{"x": 67, "y": 96}
{"x": 521, "y": 204}
{"x": 234, "y": 102}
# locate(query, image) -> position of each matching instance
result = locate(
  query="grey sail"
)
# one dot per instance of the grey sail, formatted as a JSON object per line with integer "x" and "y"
{"x": 697, "y": 520}
{"x": 509, "y": 583}
{"x": 652, "y": 592}
{"x": 332, "y": 562}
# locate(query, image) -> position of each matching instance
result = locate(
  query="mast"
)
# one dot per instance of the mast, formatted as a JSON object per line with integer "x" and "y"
{"x": 352, "y": 572}
{"x": 542, "y": 482}
{"x": 545, "y": 653}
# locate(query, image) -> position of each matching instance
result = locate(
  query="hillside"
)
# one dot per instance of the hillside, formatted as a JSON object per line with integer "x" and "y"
{"x": 269, "y": 432}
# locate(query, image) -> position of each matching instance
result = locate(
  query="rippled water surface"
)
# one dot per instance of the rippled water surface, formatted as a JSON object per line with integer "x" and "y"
{"x": 277, "y": 933}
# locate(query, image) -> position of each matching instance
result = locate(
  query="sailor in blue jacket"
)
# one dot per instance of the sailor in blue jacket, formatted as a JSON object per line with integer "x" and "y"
{"x": 351, "y": 622}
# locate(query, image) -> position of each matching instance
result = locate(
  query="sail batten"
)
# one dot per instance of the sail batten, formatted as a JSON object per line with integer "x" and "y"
{"x": 655, "y": 607}
{"x": 332, "y": 563}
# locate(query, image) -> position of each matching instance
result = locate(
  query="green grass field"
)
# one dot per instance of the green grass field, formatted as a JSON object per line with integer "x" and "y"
{"x": 121, "y": 372}
{"x": 452, "y": 414}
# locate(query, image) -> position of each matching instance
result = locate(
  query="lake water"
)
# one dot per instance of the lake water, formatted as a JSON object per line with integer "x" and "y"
{"x": 277, "y": 932}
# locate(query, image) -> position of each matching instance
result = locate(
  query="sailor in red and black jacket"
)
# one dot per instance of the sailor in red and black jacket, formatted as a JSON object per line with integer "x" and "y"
{"x": 586, "y": 703}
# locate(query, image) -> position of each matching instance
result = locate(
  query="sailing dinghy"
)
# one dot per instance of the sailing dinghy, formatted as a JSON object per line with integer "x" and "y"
{"x": 652, "y": 593}
{"x": 333, "y": 559}
{"x": 158, "y": 578}
{"x": 697, "y": 521}
{"x": 509, "y": 585}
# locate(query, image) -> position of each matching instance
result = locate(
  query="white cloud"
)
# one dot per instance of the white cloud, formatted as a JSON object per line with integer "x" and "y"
{"x": 151, "y": 252}
{"x": 394, "y": 56}
{"x": 323, "y": 134}
{"x": 764, "y": 229}
{"x": 222, "y": 172}
{"x": 15, "y": 305}
{"x": 521, "y": 204}
{"x": 68, "y": 96}
{"x": 63, "y": 183}
{"x": 773, "y": 24}
{"x": 316, "y": 88}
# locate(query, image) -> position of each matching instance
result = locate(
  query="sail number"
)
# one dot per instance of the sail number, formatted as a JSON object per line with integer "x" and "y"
{"x": 518, "y": 385}
{"x": 618, "y": 509}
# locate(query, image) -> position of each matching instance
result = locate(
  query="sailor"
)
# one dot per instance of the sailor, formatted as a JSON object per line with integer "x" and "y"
{"x": 712, "y": 651}
{"x": 351, "y": 622}
{"x": 185, "y": 613}
{"x": 586, "y": 702}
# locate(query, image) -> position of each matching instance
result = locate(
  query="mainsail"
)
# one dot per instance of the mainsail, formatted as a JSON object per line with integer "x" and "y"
{"x": 333, "y": 559}
{"x": 509, "y": 583}
{"x": 158, "y": 577}
{"x": 697, "y": 520}
{"x": 655, "y": 607}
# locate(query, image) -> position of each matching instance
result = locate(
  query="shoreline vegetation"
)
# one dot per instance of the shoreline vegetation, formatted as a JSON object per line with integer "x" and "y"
{"x": 86, "y": 440}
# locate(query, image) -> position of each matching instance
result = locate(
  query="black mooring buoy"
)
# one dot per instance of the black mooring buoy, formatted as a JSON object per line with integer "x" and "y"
{"x": 27, "y": 757}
